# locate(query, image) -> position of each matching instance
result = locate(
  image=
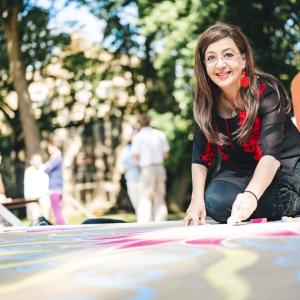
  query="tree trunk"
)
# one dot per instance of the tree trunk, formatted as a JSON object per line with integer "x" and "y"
{"x": 179, "y": 190}
{"x": 10, "y": 12}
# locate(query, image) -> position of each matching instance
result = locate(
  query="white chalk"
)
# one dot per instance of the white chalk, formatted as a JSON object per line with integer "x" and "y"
{"x": 233, "y": 220}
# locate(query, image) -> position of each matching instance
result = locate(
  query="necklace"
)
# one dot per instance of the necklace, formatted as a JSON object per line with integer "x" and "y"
{"x": 234, "y": 109}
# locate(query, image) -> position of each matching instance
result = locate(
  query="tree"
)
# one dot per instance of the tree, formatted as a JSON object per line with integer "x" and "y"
{"x": 10, "y": 13}
{"x": 34, "y": 49}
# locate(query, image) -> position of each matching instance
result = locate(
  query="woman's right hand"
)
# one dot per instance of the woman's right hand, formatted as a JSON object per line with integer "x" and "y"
{"x": 195, "y": 213}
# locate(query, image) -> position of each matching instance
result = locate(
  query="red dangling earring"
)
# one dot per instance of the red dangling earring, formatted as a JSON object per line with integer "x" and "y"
{"x": 245, "y": 80}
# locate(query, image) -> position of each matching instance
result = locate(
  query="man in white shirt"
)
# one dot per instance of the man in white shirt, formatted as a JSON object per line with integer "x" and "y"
{"x": 150, "y": 148}
{"x": 36, "y": 187}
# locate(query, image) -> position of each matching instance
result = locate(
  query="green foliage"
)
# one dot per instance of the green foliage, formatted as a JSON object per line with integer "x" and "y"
{"x": 273, "y": 35}
{"x": 38, "y": 41}
{"x": 38, "y": 47}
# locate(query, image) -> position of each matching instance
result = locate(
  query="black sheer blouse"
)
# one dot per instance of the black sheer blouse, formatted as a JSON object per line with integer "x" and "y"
{"x": 273, "y": 133}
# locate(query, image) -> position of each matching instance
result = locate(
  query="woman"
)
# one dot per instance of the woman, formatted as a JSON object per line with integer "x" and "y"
{"x": 243, "y": 117}
{"x": 54, "y": 167}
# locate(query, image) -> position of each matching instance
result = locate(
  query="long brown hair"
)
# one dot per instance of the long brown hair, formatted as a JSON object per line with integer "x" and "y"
{"x": 207, "y": 93}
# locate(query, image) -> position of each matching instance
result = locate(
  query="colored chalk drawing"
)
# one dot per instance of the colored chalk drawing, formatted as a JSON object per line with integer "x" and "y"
{"x": 156, "y": 261}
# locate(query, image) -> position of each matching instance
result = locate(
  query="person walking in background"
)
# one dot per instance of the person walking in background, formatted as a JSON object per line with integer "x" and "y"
{"x": 3, "y": 198}
{"x": 54, "y": 170}
{"x": 150, "y": 148}
{"x": 4, "y": 212}
{"x": 243, "y": 114}
{"x": 36, "y": 187}
{"x": 132, "y": 172}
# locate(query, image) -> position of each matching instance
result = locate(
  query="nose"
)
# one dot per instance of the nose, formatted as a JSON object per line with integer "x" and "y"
{"x": 220, "y": 62}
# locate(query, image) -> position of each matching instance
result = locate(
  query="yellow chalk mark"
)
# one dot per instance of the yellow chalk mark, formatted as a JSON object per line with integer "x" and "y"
{"x": 61, "y": 271}
{"x": 224, "y": 274}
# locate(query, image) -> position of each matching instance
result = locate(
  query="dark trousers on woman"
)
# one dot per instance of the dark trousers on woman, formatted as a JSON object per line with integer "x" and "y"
{"x": 281, "y": 198}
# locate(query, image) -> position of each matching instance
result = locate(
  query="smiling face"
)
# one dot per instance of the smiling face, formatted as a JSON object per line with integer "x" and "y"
{"x": 224, "y": 63}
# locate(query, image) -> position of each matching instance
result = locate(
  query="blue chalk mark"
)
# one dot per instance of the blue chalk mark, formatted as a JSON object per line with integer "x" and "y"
{"x": 144, "y": 293}
{"x": 286, "y": 245}
{"x": 298, "y": 277}
{"x": 289, "y": 261}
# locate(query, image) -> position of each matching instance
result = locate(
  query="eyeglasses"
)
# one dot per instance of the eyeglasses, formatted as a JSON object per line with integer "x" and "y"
{"x": 227, "y": 57}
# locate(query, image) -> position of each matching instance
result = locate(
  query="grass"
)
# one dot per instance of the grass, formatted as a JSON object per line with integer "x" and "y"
{"x": 124, "y": 216}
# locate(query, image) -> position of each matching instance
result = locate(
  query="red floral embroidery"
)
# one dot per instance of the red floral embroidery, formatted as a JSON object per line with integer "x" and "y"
{"x": 209, "y": 154}
{"x": 262, "y": 87}
{"x": 224, "y": 155}
{"x": 252, "y": 145}
{"x": 258, "y": 153}
{"x": 242, "y": 117}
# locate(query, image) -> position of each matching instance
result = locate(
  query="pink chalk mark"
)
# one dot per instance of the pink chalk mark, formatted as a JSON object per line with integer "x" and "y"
{"x": 146, "y": 243}
{"x": 121, "y": 241}
{"x": 259, "y": 220}
{"x": 39, "y": 230}
{"x": 117, "y": 237}
{"x": 207, "y": 242}
{"x": 279, "y": 233}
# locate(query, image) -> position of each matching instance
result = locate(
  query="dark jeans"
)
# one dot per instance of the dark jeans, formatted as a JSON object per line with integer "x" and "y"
{"x": 281, "y": 198}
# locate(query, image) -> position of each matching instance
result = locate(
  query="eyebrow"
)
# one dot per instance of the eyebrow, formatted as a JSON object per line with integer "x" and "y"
{"x": 222, "y": 50}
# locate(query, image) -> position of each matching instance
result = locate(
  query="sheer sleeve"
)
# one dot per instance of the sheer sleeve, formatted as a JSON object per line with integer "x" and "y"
{"x": 203, "y": 152}
{"x": 272, "y": 123}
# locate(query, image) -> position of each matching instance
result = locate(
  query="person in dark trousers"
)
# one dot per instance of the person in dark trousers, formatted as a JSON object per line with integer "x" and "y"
{"x": 243, "y": 114}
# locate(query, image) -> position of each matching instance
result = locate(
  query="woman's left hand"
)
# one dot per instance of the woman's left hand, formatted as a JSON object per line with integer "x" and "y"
{"x": 243, "y": 206}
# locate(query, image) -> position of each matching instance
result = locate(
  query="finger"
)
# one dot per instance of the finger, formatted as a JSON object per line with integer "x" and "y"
{"x": 235, "y": 212}
{"x": 190, "y": 221}
{"x": 187, "y": 221}
{"x": 245, "y": 214}
{"x": 237, "y": 215}
{"x": 236, "y": 207}
{"x": 202, "y": 220}
{"x": 195, "y": 222}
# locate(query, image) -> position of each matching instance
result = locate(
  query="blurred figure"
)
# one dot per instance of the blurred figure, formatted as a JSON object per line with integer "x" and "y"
{"x": 295, "y": 89}
{"x": 150, "y": 148}
{"x": 36, "y": 187}
{"x": 54, "y": 171}
{"x": 132, "y": 172}
{"x": 3, "y": 198}
{"x": 6, "y": 217}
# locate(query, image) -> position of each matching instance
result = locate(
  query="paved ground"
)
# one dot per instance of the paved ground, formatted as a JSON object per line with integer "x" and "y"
{"x": 156, "y": 261}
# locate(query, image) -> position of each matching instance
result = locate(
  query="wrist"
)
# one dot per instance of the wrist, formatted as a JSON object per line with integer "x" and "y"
{"x": 197, "y": 197}
{"x": 254, "y": 195}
